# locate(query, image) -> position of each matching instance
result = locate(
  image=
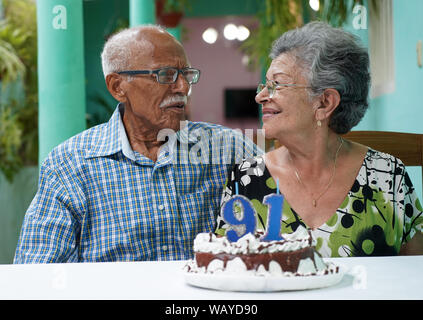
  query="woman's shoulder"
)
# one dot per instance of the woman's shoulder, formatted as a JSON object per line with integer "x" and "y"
{"x": 250, "y": 171}
{"x": 252, "y": 166}
{"x": 383, "y": 171}
{"x": 383, "y": 161}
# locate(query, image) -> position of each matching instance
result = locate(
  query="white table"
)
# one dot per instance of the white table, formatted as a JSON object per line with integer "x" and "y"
{"x": 377, "y": 278}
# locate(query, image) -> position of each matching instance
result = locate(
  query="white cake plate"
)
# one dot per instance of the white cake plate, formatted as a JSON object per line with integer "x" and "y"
{"x": 235, "y": 282}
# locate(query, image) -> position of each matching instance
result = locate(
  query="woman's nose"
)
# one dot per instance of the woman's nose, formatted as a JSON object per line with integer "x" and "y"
{"x": 262, "y": 96}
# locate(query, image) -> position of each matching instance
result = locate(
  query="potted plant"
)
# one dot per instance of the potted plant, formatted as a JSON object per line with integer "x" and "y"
{"x": 170, "y": 12}
{"x": 278, "y": 16}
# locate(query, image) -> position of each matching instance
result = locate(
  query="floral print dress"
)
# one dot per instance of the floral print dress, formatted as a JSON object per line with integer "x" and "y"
{"x": 379, "y": 214}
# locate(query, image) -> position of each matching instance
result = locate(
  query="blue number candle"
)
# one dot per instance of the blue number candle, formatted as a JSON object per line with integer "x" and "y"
{"x": 248, "y": 216}
{"x": 274, "y": 217}
{"x": 277, "y": 186}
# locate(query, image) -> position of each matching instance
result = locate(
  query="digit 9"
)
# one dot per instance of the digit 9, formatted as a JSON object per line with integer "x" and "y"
{"x": 274, "y": 203}
{"x": 248, "y": 216}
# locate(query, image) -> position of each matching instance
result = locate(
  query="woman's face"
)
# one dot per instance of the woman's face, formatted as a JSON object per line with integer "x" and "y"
{"x": 290, "y": 110}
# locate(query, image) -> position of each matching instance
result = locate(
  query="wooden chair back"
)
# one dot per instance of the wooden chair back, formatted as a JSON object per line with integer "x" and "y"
{"x": 406, "y": 146}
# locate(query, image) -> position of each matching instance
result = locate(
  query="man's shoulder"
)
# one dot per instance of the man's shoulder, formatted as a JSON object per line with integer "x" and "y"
{"x": 79, "y": 145}
{"x": 214, "y": 129}
{"x": 227, "y": 138}
{"x": 206, "y": 125}
{"x": 88, "y": 137}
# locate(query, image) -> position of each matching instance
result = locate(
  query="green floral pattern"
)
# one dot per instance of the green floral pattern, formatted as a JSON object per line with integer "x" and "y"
{"x": 379, "y": 214}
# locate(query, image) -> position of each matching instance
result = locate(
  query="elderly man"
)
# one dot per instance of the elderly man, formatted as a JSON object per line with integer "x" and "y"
{"x": 138, "y": 187}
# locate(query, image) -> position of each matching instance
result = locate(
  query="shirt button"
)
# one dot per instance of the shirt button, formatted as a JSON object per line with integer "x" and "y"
{"x": 164, "y": 248}
{"x": 161, "y": 207}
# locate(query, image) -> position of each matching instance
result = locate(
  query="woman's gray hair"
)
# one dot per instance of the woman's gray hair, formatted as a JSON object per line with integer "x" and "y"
{"x": 331, "y": 58}
{"x": 122, "y": 48}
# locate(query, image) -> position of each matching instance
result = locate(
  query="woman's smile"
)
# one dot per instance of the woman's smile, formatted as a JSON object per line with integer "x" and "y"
{"x": 269, "y": 113}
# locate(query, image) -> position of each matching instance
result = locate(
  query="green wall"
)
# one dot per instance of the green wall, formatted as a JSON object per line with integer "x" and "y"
{"x": 207, "y": 8}
{"x": 402, "y": 110}
{"x": 14, "y": 201}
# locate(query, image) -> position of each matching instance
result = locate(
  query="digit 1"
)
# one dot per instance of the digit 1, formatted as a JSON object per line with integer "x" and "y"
{"x": 274, "y": 217}
{"x": 248, "y": 216}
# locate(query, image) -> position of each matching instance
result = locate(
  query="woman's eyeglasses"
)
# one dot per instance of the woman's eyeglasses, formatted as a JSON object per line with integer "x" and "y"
{"x": 272, "y": 86}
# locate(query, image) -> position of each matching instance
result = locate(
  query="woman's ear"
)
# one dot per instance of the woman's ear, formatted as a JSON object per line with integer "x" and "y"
{"x": 114, "y": 85}
{"x": 329, "y": 101}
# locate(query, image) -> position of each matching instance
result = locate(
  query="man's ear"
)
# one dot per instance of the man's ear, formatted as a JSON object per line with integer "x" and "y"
{"x": 330, "y": 100}
{"x": 114, "y": 85}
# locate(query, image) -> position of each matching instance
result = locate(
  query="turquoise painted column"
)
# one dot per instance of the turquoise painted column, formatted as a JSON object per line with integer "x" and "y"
{"x": 142, "y": 12}
{"x": 61, "y": 73}
{"x": 176, "y": 32}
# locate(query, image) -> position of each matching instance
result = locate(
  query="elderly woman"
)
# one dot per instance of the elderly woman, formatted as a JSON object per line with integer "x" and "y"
{"x": 355, "y": 201}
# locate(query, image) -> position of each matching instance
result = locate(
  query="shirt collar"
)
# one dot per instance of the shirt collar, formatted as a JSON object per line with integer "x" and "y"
{"x": 126, "y": 146}
{"x": 106, "y": 137}
{"x": 112, "y": 138}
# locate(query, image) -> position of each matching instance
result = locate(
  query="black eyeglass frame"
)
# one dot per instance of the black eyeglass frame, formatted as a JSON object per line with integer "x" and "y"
{"x": 156, "y": 74}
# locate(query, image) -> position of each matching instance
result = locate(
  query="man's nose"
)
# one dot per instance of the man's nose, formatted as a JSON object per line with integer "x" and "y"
{"x": 181, "y": 84}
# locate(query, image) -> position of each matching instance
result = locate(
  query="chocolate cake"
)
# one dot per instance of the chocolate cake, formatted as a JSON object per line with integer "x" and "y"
{"x": 295, "y": 255}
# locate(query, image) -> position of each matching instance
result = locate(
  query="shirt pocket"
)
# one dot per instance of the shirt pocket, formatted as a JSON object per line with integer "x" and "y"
{"x": 197, "y": 213}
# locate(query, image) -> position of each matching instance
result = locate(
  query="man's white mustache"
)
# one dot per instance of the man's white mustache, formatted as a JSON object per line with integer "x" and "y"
{"x": 172, "y": 100}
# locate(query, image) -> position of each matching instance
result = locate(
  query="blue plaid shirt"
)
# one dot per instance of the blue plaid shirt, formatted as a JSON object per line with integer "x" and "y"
{"x": 99, "y": 200}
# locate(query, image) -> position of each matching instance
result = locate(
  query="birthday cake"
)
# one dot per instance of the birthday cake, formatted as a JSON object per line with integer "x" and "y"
{"x": 247, "y": 259}
{"x": 295, "y": 255}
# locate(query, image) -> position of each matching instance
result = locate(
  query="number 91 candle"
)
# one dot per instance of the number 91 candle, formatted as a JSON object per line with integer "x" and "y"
{"x": 245, "y": 221}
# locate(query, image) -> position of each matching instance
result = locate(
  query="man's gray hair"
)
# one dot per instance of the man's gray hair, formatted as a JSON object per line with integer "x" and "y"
{"x": 331, "y": 58}
{"x": 121, "y": 49}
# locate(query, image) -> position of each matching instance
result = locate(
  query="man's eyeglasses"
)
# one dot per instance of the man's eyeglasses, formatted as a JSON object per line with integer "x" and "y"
{"x": 272, "y": 86}
{"x": 168, "y": 75}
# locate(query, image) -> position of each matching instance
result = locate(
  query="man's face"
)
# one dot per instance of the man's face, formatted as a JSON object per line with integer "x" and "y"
{"x": 149, "y": 103}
